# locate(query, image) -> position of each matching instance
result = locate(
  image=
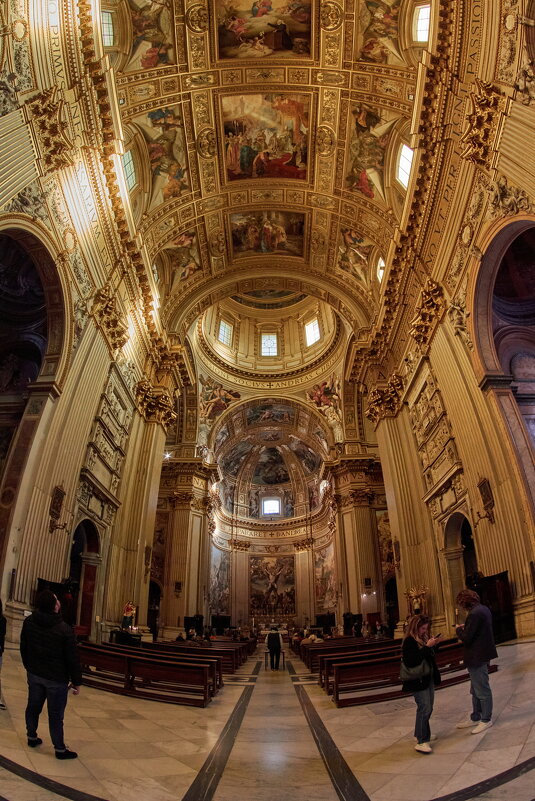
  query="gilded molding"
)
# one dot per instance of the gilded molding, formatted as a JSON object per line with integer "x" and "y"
{"x": 428, "y": 311}
{"x": 113, "y": 323}
{"x": 239, "y": 545}
{"x": 506, "y": 200}
{"x": 488, "y": 106}
{"x": 304, "y": 545}
{"x": 154, "y": 405}
{"x": 45, "y": 111}
{"x": 385, "y": 402}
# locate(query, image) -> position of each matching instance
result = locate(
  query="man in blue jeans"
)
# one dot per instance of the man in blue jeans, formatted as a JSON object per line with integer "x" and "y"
{"x": 48, "y": 650}
{"x": 477, "y": 638}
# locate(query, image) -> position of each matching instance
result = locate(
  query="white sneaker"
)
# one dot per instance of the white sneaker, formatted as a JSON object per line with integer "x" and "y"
{"x": 423, "y": 748}
{"x": 466, "y": 724}
{"x": 483, "y": 725}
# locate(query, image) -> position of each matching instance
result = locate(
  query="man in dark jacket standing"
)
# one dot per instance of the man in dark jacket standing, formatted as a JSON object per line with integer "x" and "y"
{"x": 274, "y": 646}
{"x": 48, "y": 650}
{"x": 479, "y": 648}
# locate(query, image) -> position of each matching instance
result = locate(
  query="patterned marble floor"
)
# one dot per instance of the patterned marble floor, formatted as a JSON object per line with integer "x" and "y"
{"x": 136, "y": 749}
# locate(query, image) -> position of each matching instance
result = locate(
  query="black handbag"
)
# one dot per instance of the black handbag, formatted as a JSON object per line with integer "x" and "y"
{"x": 420, "y": 671}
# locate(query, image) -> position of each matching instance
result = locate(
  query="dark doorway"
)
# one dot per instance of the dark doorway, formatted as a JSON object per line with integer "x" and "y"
{"x": 83, "y": 576}
{"x": 391, "y": 604}
{"x": 153, "y": 610}
{"x": 469, "y": 553}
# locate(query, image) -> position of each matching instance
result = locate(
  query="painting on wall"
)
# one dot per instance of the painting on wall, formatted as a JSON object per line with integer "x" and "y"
{"x": 163, "y": 131}
{"x": 265, "y": 135}
{"x": 183, "y": 260}
{"x": 270, "y": 413}
{"x": 263, "y": 28}
{"x": 369, "y": 138}
{"x": 272, "y": 585}
{"x": 267, "y": 232}
{"x": 271, "y": 468}
{"x": 231, "y": 463}
{"x": 379, "y": 33}
{"x": 325, "y": 579}
{"x": 219, "y": 581}
{"x": 152, "y": 34}
{"x": 386, "y": 548}
{"x": 354, "y": 253}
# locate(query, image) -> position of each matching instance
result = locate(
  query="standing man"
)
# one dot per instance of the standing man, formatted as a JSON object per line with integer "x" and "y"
{"x": 478, "y": 640}
{"x": 48, "y": 650}
{"x": 274, "y": 645}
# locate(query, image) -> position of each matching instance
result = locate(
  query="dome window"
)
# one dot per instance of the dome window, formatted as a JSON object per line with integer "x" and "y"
{"x": 312, "y": 332}
{"x": 380, "y": 268}
{"x": 225, "y": 333}
{"x": 269, "y": 345}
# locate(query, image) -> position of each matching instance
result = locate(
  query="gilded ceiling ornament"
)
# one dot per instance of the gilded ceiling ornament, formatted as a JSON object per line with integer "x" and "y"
{"x": 481, "y": 136}
{"x": 459, "y": 318}
{"x": 325, "y": 141}
{"x": 304, "y": 545}
{"x": 197, "y": 18}
{"x": 317, "y": 241}
{"x": 206, "y": 143}
{"x": 505, "y": 200}
{"x": 217, "y": 243}
{"x": 45, "y": 111}
{"x": 155, "y": 406}
{"x": 430, "y": 304}
{"x": 385, "y": 402}
{"x": 329, "y": 76}
{"x": 105, "y": 310}
{"x": 330, "y": 16}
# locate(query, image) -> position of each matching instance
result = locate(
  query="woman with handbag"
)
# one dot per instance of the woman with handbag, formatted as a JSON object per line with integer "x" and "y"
{"x": 420, "y": 676}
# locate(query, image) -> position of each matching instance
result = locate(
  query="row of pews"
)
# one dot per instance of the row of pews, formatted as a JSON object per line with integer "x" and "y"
{"x": 175, "y": 673}
{"x": 356, "y": 671}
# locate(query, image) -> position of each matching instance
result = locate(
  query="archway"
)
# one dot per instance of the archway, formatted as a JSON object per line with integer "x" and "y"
{"x": 391, "y": 604}
{"x": 84, "y": 560}
{"x": 456, "y": 528}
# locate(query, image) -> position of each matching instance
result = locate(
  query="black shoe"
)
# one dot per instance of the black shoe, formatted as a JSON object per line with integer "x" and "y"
{"x": 33, "y": 742}
{"x": 66, "y": 754}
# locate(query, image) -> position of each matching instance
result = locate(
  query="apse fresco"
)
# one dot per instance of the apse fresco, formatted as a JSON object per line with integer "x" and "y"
{"x": 231, "y": 463}
{"x": 271, "y": 468}
{"x": 222, "y": 435}
{"x": 354, "y": 253}
{"x": 320, "y": 434}
{"x": 272, "y": 585}
{"x": 325, "y": 579}
{"x": 368, "y": 142}
{"x": 219, "y": 581}
{"x": 379, "y": 34}
{"x": 152, "y": 35}
{"x": 309, "y": 460}
{"x": 270, "y": 413}
{"x": 163, "y": 131}
{"x": 184, "y": 260}
{"x": 265, "y": 135}
{"x": 267, "y": 232}
{"x": 263, "y": 28}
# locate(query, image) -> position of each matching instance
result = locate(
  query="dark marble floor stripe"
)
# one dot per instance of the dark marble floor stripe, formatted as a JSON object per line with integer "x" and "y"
{"x": 489, "y": 784}
{"x": 207, "y": 779}
{"x": 47, "y": 784}
{"x": 344, "y": 781}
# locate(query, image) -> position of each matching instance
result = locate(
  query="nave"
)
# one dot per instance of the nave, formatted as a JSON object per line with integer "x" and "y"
{"x": 274, "y": 736}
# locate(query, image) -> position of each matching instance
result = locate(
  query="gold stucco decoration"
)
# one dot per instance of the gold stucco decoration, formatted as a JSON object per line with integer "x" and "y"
{"x": 330, "y": 16}
{"x": 480, "y": 138}
{"x": 105, "y": 310}
{"x": 325, "y": 141}
{"x": 206, "y": 143}
{"x": 45, "y": 110}
{"x": 197, "y": 18}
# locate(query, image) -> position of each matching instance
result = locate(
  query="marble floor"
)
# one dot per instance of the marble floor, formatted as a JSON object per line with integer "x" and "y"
{"x": 274, "y": 735}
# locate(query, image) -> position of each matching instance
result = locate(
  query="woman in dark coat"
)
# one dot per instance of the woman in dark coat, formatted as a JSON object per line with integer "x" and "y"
{"x": 418, "y": 647}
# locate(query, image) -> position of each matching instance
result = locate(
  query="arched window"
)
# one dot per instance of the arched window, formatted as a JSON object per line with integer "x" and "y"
{"x": 403, "y": 172}
{"x": 225, "y": 333}
{"x": 380, "y": 268}
{"x": 421, "y": 21}
{"x": 129, "y": 170}
{"x": 269, "y": 345}
{"x": 312, "y": 332}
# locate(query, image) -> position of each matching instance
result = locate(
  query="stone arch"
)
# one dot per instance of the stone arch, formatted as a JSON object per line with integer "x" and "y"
{"x": 43, "y": 349}
{"x": 497, "y": 345}
{"x": 456, "y": 528}
{"x": 85, "y": 562}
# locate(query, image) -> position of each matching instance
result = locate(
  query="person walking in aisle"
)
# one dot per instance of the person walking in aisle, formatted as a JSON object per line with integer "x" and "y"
{"x": 48, "y": 650}
{"x": 479, "y": 648}
{"x": 274, "y": 646}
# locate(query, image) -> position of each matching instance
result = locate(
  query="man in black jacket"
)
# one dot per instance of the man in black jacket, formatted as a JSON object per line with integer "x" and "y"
{"x": 477, "y": 638}
{"x": 48, "y": 650}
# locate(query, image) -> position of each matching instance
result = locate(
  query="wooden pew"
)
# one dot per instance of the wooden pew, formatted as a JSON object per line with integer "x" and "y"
{"x": 142, "y": 677}
{"x": 311, "y": 651}
{"x": 231, "y": 657}
{"x": 373, "y": 680}
{"x": 326, "y": 661}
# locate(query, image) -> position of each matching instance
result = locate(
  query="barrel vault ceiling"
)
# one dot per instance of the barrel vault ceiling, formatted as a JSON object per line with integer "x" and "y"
{"x": 264, "y": 137}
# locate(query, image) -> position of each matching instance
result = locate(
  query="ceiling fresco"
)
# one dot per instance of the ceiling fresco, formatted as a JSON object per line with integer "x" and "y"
{"x": 270, "y": 129}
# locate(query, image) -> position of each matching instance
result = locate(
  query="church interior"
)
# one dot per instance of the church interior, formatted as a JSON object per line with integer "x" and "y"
{"x": 267, "y": 356}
